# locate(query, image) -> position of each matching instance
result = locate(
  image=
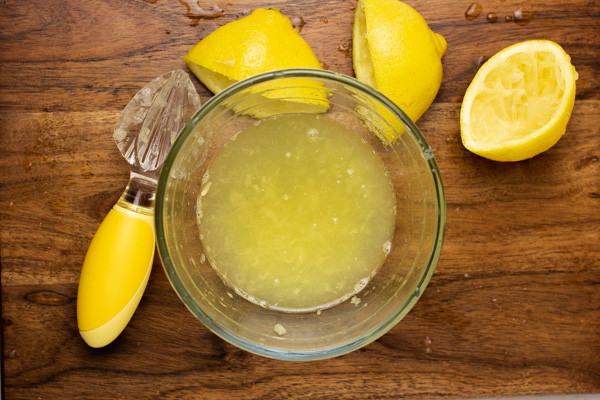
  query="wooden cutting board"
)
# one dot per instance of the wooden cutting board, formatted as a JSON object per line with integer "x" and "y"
{"x": 513, "y": 307}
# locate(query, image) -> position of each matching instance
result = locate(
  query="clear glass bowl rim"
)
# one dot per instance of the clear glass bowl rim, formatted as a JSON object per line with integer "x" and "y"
{"x": 239, "y": 341}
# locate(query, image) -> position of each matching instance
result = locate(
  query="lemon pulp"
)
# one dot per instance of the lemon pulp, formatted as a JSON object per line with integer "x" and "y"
{"x": 516, "y": 101}
{"x": 296, "y": 213}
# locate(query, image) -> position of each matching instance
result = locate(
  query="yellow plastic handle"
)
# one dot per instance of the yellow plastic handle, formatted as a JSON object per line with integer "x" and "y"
{"x": 114, "y": 275}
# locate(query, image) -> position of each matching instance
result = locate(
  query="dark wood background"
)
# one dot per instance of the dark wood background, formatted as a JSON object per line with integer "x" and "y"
{"x": 513, "y": 307}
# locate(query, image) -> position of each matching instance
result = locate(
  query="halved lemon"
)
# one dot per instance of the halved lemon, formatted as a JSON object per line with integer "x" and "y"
{"x": 394, "y": 51}
{"x": 261, "y": 42}
{"x": 520, "y": 101}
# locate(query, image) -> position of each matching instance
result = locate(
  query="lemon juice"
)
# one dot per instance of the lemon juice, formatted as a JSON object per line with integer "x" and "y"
{"x": 296, "y": 213}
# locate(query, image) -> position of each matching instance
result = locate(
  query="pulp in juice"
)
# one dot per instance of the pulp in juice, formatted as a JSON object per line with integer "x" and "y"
{"x": 296, "y": 213}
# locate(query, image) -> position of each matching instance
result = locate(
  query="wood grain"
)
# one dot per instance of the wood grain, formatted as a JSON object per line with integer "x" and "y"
{"x": 513, "y": 307}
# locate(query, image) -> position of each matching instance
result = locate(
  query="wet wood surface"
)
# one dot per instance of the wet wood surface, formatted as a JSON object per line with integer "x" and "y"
{"x": 513, "y": 307}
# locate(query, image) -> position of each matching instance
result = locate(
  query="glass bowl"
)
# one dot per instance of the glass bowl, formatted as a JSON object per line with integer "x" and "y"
{"x": 416, "y": 242}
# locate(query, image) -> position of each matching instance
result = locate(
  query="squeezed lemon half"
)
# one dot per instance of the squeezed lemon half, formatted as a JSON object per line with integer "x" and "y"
{"x": 263, "y": 41}
{"x": 520, "y": 101}
{"x": 394, "y": 51}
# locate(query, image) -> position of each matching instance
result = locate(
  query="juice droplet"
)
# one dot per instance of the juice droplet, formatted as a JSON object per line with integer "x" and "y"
{"x": 523, "y": 17}
{"x": 480, "y": 61}
{"x": 491, "y": 17}
{"x": 195, "y": 12}
{"x": 508, "y": 18}
{"x": 325, "y": 65}
{"x": 473, "y": 11}
{"x": 345, "y": 48}
{"x": 298, "y": 23}
{"x": 324, "y": 20}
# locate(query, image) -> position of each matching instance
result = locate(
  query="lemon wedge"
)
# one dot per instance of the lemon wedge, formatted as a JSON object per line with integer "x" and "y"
{"x": 394, "y": 51}
{"x": 520, "y": 101}
{"x": 263, "y": 41}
